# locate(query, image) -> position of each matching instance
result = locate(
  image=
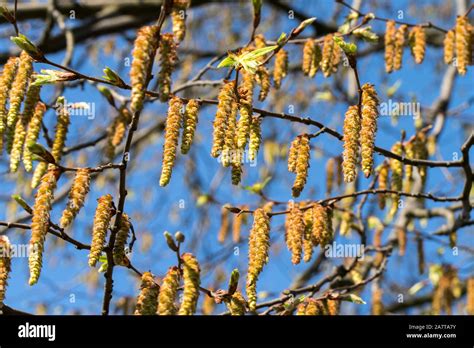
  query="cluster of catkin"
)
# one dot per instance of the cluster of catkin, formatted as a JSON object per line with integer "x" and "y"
{"x": 178, "y": 18}
{"x": 447, "y": 289}
{"x": 179, "y": 116}
{"x": 311, "y": 306}
{"x": 231, "y": 223}
{"x": 395, "y": 41}
{"x": 458, "y": 44}
{"x": 327, "y": 59}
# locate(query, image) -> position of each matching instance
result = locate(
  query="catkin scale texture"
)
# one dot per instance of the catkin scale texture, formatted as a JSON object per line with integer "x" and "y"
{"x": 463, "y": 44}
{"x": 294, "y": 232}
{"x": 302, "y": 165}
{"x": 399, "y": 45}
{"x": 168, "y": 61}
{"x": 189, "y": 125}
{"x": 224, "y": 109}
{"x": 147, "y": 300}
{"x": 368, "y": 128}
{"x": 19, "y": 87}
{"x": 32, "y": 134}
{"x": 352, "y": 127}
{"x": 121, "y": 237}
{"x": 191, "y": 279}
{"x": 390, "y": 31}
{"x": 6, "y": 81}
{"x": 449, "y": 46}
{"x": 418, "y": 43}
{"x": 102, "y": 217}
{"x": 173, "y": 123}
{"x": 281, "y": 67}
{"x": 168, "y": 292}
{"x": 79, "y": 190}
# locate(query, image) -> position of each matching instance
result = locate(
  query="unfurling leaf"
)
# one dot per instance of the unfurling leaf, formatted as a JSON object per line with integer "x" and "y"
{"x": 52, "y": 76}
{"x": 354, "y": 299}
{"x": 29, "y": 47}
{"x": 41, "y": 152}
{"x": 112, "y": 76}
{"x": 348, "y": 48}
{"x": 22, "y": 203}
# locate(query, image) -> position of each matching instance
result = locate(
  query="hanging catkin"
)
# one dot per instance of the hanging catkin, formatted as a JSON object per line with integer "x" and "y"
{"x": 302, "y": 165}
{"x": 408, "y": 177}
{"x": 383, "y": 182}
{"x": 191, "y": 279}
{"x": 281, "y": 67}
{"x": 259, "y": 244}
{"x": 470, "y": 296}
{"x": 294, "y": 232}
{"x": 245, "y": 110}
{"x": 121, "y": 237}
{"x": 308, "y": 56}
{"x": 6, "y": 81}
{"x": 147, "y": 300}
{"x": 255, "y": 138}
{"x": 236, "y": 173}
{"x": 144, "y": 51}
{"x": 368, "y": 129}
{"x": 417, "y": 39}
{"x": 168, "y": 61}
{"x": 322, "y": 231}
{"x": 19, "y": 87}
{"x": 463, "y": 44}
{"x": 390, "y": 31}
{"x": 173, "y": 122}
{"x": 32, "y": 134}
{"x": 293, "y": 154}
{"x": 262, "y": 76}
{"x": 229, "y": 153}
{"x": 308, "y": 235}
{"x": 224, "y": 109}
{"x": 377, "y": 304}
{"x": 116, "y": 133}
{"x": 77, "y": 195}
{"x": 396, "y": 182}
{"x": 327, "y": 59}
{"x": 189, "y": 125}
{"x": 225, "y": 225}
{"x": 168, "y": 292}
{"x": 40, "y": 222}
{"x": 178, "y": 18}
{"x": 449, "y": 46}
{"x": 102, "y": 217}
{"x": 330, "y": 172}
{"x": 399, "y": 45}
{"x": 5, "y": 266}
{"x": 352, "y": 127}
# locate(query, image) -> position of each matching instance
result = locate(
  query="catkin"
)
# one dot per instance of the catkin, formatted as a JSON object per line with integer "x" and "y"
{"x": 408, "y": 177}
{"x": 239, "y": 219}
{"x": 5, "y": 266}
{"x": 229, "y": 152}
{"x": 293, "y": 154}
{"x": 377, "y": 304}
{"x": 328, "y": 53}
{"x": 330, "y": 172}
{"x": 225, "y": 225}
{"x": 255, "y": 138}
{"x": 352, "y": 128}
{"x": 420, "y": 149}
{"x": 294, "y": 232}
{"x": 302, "y": 165}
{"x": 259, "y": 245}
{"x": 316, "y": 307}
{"x": 121, "y": 237}
{"x": 191, "y": 278}
{"x": 224, "y": 109}
{"x": 281, "y": 67}
{"x": 236, "y": 173}
{"x": 449, "y": 46}
{"x": 79, "y": 189}
{"x": 470, "y": 296}
{"x": 245, "y": 120}
{"x": 173, "y": 121}
{"x": 396, "y": 182}
{"x": 6, "y": 81}
{"x": 189, "y": 125}
{"x": 463, "y": 44}
{"x": 417, "y": 39}
{"x": 262, "y": 76}
{"x": 368, "y": 129}
{"x": 383, "y": 181}
{"x": 322, "y": 231}
{"x": 19, "y": 87}
{"x": 308, "y": 236}
{"x": 168, "y": 61}
{"x": 389, "y": 39}
{"x": 178, "y": 19}
{"x": 40, "y": 222}
{"x": 102, "y": 217}
{"x": 333, "y": 306}
{"x": 32, "y": 134}
{"x": 308, "y": 56}
{"x": 168, "y": 292}
{"x": 116, "y": 133}
{"x": 144, "y": 51}
{"x": 147, "y": 300}
{"x": 399, "y": 44}
{"x": 237, "y": 304}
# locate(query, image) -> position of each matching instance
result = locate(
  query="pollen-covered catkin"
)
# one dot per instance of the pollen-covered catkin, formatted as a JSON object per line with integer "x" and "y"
{"x": 62, "y": 125}
{"x": 352, "y": 127}
{"x": 168, "y": 61}
{"x": 144, "y": 51}
{"x": 281, "y": 67}
{"x": 245, "y": 120}
{"x": 368, "y": 129}
{"x": 259, "y": 245}
{"x": 262, "y": 76}
{"x": 308, "y": 56}
{"x": 32, "y": 134}
{"x": 322, "y": 231}
{"x": 173, "y": 122}
{"x": 79, "y": 189}
{"x": 102, "y": 217}
{"x": 147, "y": 300}
{"x": 116, "y": 133}
{"x": 293, "y": 154}
{"x": 236, "y": 173}
{"x": 19, "y": 87}
{"x": 389, "y": 39}
{"x": 399, "y": 45}
{"x": 383, "y": 182}
{"x": 463, "y": 44}
{"x": 302, "y": 165}
{"x": 121, "y": 237}
{"x": 307, "y": 237}
{"x": 6, "y": 81}
{"x": 237, "y": 304}
{"x": 229, "y": 153}
{"x": 294, "y": 232}
{"x": 168, "y": 292}
{"x": 191, "y": 279}
{"x": 255, "y": 138}
{"x": 178, "y": 18}
{"x": 189, "y": 125}
{"x": 225, "y": 225}
{"x": 449, "y": 46}
{"x": 417, "y": 39}
{"x": 40, "y": 222}
{"x": 5, "y": 266}
{"x": 327, "y": 59}
{"x": 377, "y": 304}
{"x": 224, "y": 109}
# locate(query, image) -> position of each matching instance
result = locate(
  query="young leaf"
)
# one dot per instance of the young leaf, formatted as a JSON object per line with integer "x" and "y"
{"x": 29, "y": 47}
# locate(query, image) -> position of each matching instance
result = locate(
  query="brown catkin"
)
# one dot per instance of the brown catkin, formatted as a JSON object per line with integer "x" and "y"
{"x": 417, "y": 39}
{"x": 368, "y": 129}
{"x": 236, "y": 173}
{"x": 19, "y": 87}
{"x": 40, "y": 222}
{"x": 225, "y": 225}
{"x": 239, "y": 219}
{"x": 191, "y": 277}
{"x": 327, "y": 59}
{"x": 352, "y": 127}
{"x": 294, "y": 232}
{"x": 144, "y": 51}
{"x": 383, "y": 181}
{"x": 173, "y": 123}
{"x": 377, "y": 304}
{"x": 396, "y": 182}
{"x": 178, "y": 19}
{"x": 147, "y": 300}
{"x": 330, "y": 172}
{"x": 420, "y": 254}
{"x": 5, "y": 266}
{"x": 259, "y": 245}
{"x": 463, "y": 44}
{"x": 420, "y": 149}
{"x": 449, "y": 46}
{"x": 307, "y": 237}
{"x": 293, "y": 154}
{"x": 102, "y": 217}
{"x": 316, "y": 307}
{"x": 121, "y": 237}
{"x": 470, "y": 296}
{"x": 322, "y": 231}
{"x": 168, "y": 61}
{"x": 302, "y": 165}
{"x": 281, "y": 67}
{"x": 224, "y": 109}
{"x": 262, "y": 76}
{"x": 389, "y": 39}
{"x": 255, "y": 138}
{"x": 189, "y": 125}
{"x": 32, "y": 134}
{"x": 168, "y": 292}
{"x": 399, "y": 45}
{"x": 6, "y": 81}
{"x": 245, "y": 120}
{"x": 79, "y": 189}
{"x": 237, "y": 304}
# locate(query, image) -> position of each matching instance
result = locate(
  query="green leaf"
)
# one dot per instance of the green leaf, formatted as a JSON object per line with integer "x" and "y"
{"x": 233, "y": 282}
{"x": 257, "y": 53}
{"x": 354, "y": 299}
{"x": 41, "y": 152}
{"x": 112, "y": 76}
{"x": 366, "y": 34}
{"x": 226, "y": 62}
{"x": 281, "y": 39}
{"x": 29, "y": 47}
{"x": 257, "y": 5}
{"x": 48, "y": 76}
{"x": 22, "y": 203}
{"x": 348, "y": 48}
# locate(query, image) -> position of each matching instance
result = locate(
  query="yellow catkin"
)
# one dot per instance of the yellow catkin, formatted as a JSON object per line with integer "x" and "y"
{"x": 449, "y": 46}
{"x": 144, "y": 51}
{"x": 40, "y": 222}
{"x": 322, "y": 231}
{"x": 191, "y": 278}
{"x": 237, "y": 304}
{"x": 259, "y": 245}
{"x": 294, "y": 232}
{"x": 255, "y": 138}
{"x": 168, "y": 292}
{"x": 408, "y": 177}
{"x": 168, "y": 60}
{"x": 417, "y": 39}
{"x": 316, "y": 307}
{"x": 19, "y": 87}
{"x": 383, "y": 182}
{"x": 389, "y": 39}
{"x": 463, "y": 44}
{"x": 5, "y": 266}
{"x": 308, "y": 56}
{"x": 102, "y": 217}
{"x": 293, "y": 154}
{"x": 245, "y": 120}
{"x": 236, "y": 173}
{"x": 336, "y": 58}
{"x": 173, "y": 122}
{"x": 327, "y": 59}
{"x": 79, "y": 190}
{"x": 32, "y": 134}
{"x": 189, "y": 125}
{"x": 470, "y": 296}
{"x": 229, "y": 150}
{"x": 147, "y": 300}
{"x": 224, "y": 109}
{"x": 239, "y": 219}
{"x": 333, "y": 307}
{"x": 330, "y": 172}
{"x": 262, "y": 76}
{"x": 281, "y": 67}
{"x": 307, "y": 238}
{"x": 225, "y": 225}
{"x": 401, "y": 235}
{"x": 178, "y": 19}
{"x": 316, "y": 61}
{"x": 396, "y": 182}
{"x": 121, "y": 237}
{"x": 302, "y": 165}
{"x": 377, "y": 304}
{"x": 6, "y": 81}
{"x": 368, "y": 129}
{"x": 399, "y": 45}
{"x": 352, "y": 127}
{"x": 116, "y": 133}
